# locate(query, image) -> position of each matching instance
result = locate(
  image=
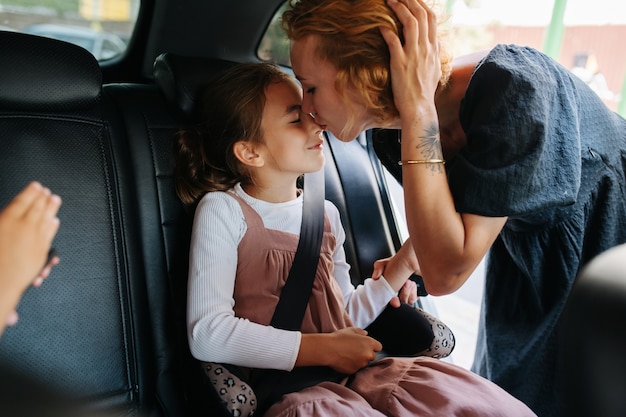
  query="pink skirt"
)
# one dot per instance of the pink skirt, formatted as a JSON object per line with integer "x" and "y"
{"x": 401, "y": 387}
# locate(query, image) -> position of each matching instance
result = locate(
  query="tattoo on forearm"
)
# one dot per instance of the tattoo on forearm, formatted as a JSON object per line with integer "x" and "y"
{"x": 430, "y": 146}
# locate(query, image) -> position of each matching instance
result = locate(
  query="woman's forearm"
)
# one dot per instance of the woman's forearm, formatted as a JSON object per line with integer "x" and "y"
{"x": 438, "y": 233}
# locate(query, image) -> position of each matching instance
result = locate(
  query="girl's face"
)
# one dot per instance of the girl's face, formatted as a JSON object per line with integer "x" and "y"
{"x": 292, "y": 141}
{"x": 321, "y": 98}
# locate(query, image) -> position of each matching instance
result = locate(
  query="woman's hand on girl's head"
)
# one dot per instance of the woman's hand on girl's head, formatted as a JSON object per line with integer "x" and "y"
{"x": 415, "y": 65}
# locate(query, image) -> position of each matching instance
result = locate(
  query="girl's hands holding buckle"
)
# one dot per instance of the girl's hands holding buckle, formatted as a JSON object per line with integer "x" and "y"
{"x": 415, "y": 65}
{"x": 345, "y": 350}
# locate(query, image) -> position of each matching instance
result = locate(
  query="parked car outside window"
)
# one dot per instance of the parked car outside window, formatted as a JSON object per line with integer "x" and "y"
{"x": 102, "y": 45}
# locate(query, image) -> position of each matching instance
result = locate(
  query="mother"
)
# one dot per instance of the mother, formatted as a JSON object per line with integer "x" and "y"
{"x": 534, "y": 166}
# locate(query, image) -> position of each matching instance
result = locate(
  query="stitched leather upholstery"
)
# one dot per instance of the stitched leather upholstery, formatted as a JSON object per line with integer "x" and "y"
{"x": 88, "y": 331}
{"x": 35, "y": 72}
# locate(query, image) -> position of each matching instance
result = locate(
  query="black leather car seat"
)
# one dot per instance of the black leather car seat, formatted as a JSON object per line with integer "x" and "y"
{"x": 594, "y": 339}
{"x": 90, "y": 331}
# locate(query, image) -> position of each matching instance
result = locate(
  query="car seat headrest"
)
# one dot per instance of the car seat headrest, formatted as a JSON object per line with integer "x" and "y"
{"x": 182, "y": 78}
{"x": 38, "y": 72}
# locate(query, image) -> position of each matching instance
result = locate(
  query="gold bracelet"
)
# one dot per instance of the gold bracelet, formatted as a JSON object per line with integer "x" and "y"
{"x": 424, "y": 161}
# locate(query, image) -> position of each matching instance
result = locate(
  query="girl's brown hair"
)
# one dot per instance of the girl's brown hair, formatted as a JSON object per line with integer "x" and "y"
{"x": 230, "y": 110}
{"x": 350, "y": 39}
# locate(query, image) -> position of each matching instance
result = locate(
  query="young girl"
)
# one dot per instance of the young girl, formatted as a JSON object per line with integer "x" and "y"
{"x": 241, "y": 168}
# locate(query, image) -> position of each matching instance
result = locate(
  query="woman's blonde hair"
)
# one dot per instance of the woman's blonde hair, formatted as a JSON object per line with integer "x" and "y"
{"x": 350, "y": 39}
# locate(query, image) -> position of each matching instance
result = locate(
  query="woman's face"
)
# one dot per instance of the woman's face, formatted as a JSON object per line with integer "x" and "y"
{"x": 321, "y": 98}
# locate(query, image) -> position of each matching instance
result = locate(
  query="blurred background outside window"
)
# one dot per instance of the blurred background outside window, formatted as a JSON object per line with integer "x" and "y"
{"x": 103, "y": 27}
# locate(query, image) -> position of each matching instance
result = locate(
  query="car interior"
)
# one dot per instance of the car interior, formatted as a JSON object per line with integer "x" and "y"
{"x": 108, "y": 327}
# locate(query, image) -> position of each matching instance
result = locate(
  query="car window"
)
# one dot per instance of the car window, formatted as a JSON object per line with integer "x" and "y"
{"x": 274, "y": 45}
{"x": 103, "y": 27}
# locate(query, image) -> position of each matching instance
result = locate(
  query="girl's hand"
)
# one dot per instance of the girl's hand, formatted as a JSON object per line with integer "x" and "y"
{"x": 398, "y": 268}
{"x": 408, "y": 293}
{"x": 415, "y": 65}
{"x": 379, "y": 270}
{"x": 346, "y": 350}
{"x": 351, "y": 349}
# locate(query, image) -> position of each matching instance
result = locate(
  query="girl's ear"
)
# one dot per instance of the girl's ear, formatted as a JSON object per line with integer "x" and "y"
{"x": 245, "y": 152}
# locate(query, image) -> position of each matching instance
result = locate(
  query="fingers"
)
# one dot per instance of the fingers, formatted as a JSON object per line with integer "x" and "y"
{"x": 376, "y": 347}
{"x": 408, "y": 292}
{"x": 45, "y": 272}
{"x": 42, "y": 212}
{"x": 36, "y": 205}
{"x": 395, "y": 302}
{"x": 28, "y": 225}
{"x": 420, "y": 9}
{"x": 418, "y": 20}
{"x": 12, "y": 318}
{"x": 379, "y": 268}
{"x": 353, "y": 349}
{"x": 392, "y": 40}
{"x": 358, "y": 330}
{"x": 410, "y": 19}
{"x": 24, "y": 200}
{"x": 414, "y": 65}
{"x": 48, "y": 216}
{"x": 375, "y": 344}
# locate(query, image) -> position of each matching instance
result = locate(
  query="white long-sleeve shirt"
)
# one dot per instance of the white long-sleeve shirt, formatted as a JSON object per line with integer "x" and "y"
{"x": 215, "y": 334}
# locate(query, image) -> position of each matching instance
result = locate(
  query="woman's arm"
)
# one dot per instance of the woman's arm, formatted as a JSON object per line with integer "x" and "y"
{"x": 448, "y": 245}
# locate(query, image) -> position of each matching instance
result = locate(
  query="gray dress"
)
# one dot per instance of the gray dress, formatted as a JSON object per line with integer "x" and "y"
{"x": 545, "y": 151}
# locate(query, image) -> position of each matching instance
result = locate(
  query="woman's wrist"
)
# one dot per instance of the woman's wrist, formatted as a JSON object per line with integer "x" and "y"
{"x": 418, "y": 115}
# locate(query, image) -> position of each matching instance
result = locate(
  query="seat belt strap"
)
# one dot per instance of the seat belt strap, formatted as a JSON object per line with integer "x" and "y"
{"x": 296, "y": 293}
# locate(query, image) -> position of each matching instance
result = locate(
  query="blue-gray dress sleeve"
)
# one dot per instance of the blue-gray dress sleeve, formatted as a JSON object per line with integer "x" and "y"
{"x": 523, "y": 148}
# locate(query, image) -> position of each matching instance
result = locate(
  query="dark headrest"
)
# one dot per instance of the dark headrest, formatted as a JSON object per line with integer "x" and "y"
{"x": 38, "y": 72}
{"x": 181, "y": 78}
